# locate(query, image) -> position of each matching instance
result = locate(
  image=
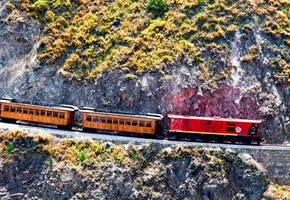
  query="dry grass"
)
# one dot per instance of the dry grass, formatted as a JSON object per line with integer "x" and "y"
{"x": 87, "y": 38}
{"x": 78, "y": 151}
{"x": 278, "y": 192}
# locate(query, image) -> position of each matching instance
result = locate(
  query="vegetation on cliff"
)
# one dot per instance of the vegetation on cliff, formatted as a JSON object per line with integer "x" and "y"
{"x": 87, "y": 38}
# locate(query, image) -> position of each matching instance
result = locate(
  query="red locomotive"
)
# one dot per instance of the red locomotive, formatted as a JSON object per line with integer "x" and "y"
{"x": 215, "y": 128}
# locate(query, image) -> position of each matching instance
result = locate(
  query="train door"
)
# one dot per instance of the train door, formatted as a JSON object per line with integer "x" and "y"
{"x": 175, "y": 124}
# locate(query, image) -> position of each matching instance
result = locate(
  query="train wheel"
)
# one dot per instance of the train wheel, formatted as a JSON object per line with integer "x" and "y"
{"x": 233, "y": 140}
{"x": 13, "y": 121}
{"x": 64, "y": 127}
{"x": 248, "y": 141}
{"x": 205, "y": 138}
{"x": 193, "y": 138}
{"x": 86, "y": 130}
{"x": 258, "y": 140}
{"x": 177, "y": 137}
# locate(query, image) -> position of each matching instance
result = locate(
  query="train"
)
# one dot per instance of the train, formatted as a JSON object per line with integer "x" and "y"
{"x": 171, "y": 126}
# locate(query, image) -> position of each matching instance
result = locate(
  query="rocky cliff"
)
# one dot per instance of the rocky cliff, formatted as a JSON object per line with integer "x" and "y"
{"x": 40, "y": 166}
{"x": 206, "y": 58}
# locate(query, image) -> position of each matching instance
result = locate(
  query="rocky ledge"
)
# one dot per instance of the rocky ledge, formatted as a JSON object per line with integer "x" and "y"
{"x": 41, "y": 166}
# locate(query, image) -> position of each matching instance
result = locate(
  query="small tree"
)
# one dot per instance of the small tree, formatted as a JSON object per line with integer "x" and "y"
{"x": 9, "y": 148}
{"x": 157, "y": 6}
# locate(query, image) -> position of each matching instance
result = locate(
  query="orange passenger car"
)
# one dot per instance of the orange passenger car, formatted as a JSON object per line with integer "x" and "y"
{"x": 142, "y": 124}
{"x": 61, "y": 116}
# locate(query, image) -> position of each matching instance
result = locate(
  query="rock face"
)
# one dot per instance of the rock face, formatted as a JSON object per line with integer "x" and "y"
{"x": 248, "y": 91}
{"x": 147, "y": 171}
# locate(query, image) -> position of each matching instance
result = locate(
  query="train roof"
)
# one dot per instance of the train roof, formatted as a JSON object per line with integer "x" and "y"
{"x": 57, "y": 107}
{"x": 148, "y": 115}
{"x": 214, "y": 118}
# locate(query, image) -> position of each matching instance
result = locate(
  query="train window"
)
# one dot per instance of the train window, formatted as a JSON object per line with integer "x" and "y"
{"x": 49, "y": 113}
{"x": 128, "y": 121}
{"x": 31, "y": 111}
{"x": 115, "y": 121}
{"x": 230, "y": 129}
{"x": 19, "y": 110}
{"x": 96, "y": 119}
{"x": 6, "y": 108}
{"x": 148, "y": 124}
{"x": 141, "y": 123}
{"x": 61, "y": 115}
{"x": 121, "y": 121}
{"x": 103, "y": 119}
{"x": 13, "y": 109}
{"x": 134, "y": 122}
{"x": 231, "y": 123}
{"x": 36, "y": 112}
{"x": 55, "y": 114}
{"x": 89, "y": 118}
{"x": 42, "y": 112}
{"x": 109, "y": 120}
{"x": 25, "y": 110}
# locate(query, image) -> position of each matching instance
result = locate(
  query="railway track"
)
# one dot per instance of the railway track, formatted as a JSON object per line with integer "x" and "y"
{"x": 126, "y": 139}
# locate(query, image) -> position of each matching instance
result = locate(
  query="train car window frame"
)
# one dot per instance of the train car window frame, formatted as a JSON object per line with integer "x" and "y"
{"x": 36, "y": 112}
{"x": 31, "y": 111}
{"x": 109, "y": 120}
{"x": 96, "y": 118}
{"x": 19, "y": 109}
{"x": 134, "y": 122}
{"x": 141, "y": 123}
{"x": 122, "y": 121}
{"x": 128, "y": 122}
{"x": 42, "y": 112}
{"x": 115, "y": 120}
{"x": 25, "y": 110}
{"x": 48, "y": 113}
{"x": 148, "y": 124}
{"x": 55, "y": 114}
{"x": 13, "y": 109}
{"x": 62, "y": 115}
{"x": 103, "y": 119}
{"x": 6, "y": 108}
{"x": 89, "y": 118}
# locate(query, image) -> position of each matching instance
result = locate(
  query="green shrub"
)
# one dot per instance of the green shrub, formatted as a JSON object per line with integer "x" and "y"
{"x": 56, "y": 3}
{"x": 9, "y": 148}
{"x": 49, "y": 161}
{"x": 82, "y": 156}
{"x": 133, "y": 155}
{"x": 157, "y": 5}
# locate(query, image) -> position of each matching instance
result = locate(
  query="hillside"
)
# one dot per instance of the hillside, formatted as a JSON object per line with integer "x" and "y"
{"x": 41, "y": 166}
{"x": 87, "y": 38}
{"x": 201, "y": 57}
